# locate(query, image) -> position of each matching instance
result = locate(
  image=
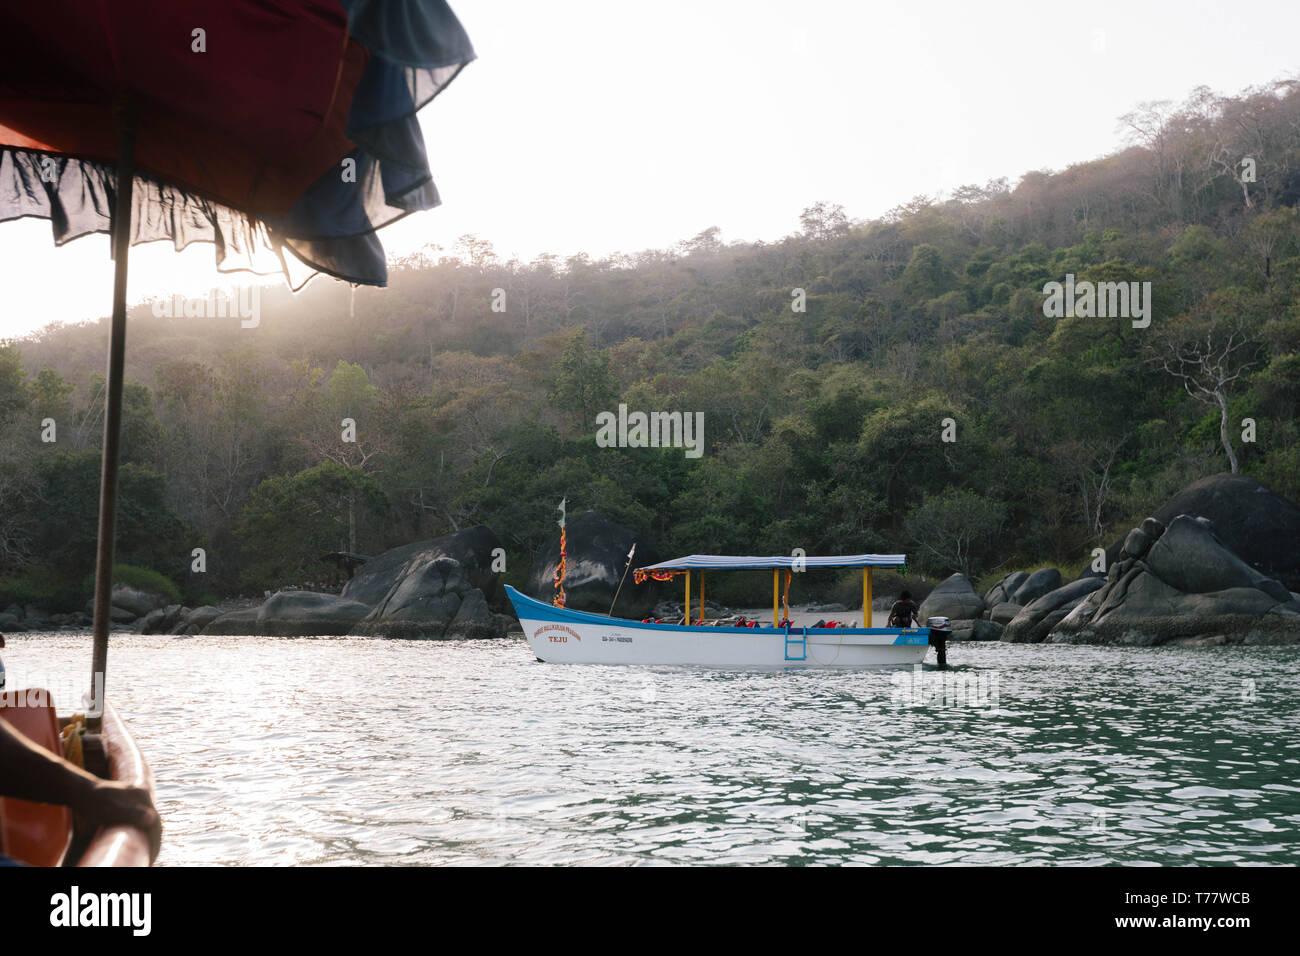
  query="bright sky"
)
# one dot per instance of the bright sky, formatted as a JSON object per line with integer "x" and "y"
{"x": 599, "y": 126}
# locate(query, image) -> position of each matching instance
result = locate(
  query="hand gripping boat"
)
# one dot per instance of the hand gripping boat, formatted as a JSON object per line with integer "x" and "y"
{"x": 43, "y": 834}
{"x": 561, "y": 636}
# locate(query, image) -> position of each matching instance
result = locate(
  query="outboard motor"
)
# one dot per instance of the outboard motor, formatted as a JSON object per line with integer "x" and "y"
{"x": 940, "y": 632}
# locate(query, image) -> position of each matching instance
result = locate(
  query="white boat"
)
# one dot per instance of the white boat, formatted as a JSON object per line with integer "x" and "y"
{"x": 558, "y": 635}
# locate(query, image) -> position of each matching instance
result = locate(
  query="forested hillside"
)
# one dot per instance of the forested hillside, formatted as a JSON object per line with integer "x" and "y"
{"x": 824, "y": 429}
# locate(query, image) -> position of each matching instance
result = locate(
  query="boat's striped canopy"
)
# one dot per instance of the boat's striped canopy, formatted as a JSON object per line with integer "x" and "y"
{"x": 732, "y": 562}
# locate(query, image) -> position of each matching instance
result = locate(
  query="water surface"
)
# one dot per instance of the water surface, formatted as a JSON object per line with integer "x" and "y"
{"x": 365, "y": 751}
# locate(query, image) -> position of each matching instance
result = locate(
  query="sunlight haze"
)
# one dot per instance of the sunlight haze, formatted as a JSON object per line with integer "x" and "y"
{"x": 647, "y": 125}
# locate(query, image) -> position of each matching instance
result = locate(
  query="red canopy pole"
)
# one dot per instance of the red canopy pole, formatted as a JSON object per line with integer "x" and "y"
{"x": 125, "y": 118}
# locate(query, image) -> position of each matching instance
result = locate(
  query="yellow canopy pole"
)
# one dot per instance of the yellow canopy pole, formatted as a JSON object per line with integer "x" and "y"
{"x": 776, "y": 595}
{"x": 688, "y": 598}
{"x": 701, "y": 594}
{"x": 866, "y": 597}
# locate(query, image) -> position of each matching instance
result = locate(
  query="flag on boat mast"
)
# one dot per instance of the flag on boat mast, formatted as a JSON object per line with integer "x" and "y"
{"x": 560, "y": 568}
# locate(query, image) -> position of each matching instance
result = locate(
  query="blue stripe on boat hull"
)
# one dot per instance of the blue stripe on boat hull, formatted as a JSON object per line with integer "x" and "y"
{"x": 533, "y": 610}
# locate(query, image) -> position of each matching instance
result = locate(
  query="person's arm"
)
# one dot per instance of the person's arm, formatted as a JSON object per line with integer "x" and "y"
{"x": 30, "y": 772}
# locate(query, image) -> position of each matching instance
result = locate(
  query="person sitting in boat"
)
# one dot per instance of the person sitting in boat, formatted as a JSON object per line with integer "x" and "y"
{"x": 30, "y": 772}
{"x": 904, "y": 611}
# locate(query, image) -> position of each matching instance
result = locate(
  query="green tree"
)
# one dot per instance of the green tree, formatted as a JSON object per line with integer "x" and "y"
{"x": 14, "y": 396}
{"x": 51, "y": 396}
{"x": 149, "y": 533}
{"x": 290, "y": 521}
{"x": 583, "y": 384}
{"x": 926, "y": 276}
{"x": 956, "y": 531}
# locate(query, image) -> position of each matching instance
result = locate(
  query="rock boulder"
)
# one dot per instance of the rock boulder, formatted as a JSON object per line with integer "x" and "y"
{"x": 954, "y": 598}
{"x": 1035, "y": 620}
{"x": 1261, "y": 527}
{"x": 1190, "y": 557}
{"x": 976, "y": 630}
{"x": 471, "y": 548}
{"x": 597, "y": 555}
{"x": 161, "y": 621}
{"x": 137, "y": 602}
{"x": 441, "y": 588}
{"x": 240, "y": 622}
{"x": 1182, "y": 585}
{"x": 307, "y": 613}
{"x": 433, "y": 597}
{"x": 1001, "y": 593}
{"x": 196, "y": 620}
{"x": 1004, "y": 613}
{"x": 1035, "y": 586}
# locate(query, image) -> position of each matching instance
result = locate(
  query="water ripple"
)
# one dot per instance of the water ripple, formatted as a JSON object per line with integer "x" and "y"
{"x": 365, "y": 751}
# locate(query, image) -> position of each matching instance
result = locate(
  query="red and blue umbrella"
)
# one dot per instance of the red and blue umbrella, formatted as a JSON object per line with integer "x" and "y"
{"x": 282, "y": 131}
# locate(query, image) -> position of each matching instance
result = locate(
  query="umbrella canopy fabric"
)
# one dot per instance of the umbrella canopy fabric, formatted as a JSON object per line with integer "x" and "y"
{"x": 262, "y": 126}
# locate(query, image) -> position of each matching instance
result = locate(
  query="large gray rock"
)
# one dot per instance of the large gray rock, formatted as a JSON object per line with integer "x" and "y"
{"x": 976, "y": 630}
{"x": 137, "y": 602}
{"x": 1188, "y": 588}
{"x": 1001, "y": 593}
{"x": 241, "y": 622}
{"x": 471, "y": 548}
{"x": 1041, "y": 582}
{"x": 196, "y": 620}
{"x": 161, "y": 621}
{"x": 953, "y": 597}
{"x": 1190, "y": 557}
{"x": 597, "y": 556}
{"x": 308, "y": 614}
{"x": 1253, "y": 522}
{"x": 1137, "y": 544}
{"x": 151, "y": 623}
{"x": 433, "y": 598}
{"x": 1004, "y": 613}
{"x": 439, "y": 589}
{"x": 475, "y": 619}
{"x": 283, "y": 614}
{"x": 1035, "y": 620}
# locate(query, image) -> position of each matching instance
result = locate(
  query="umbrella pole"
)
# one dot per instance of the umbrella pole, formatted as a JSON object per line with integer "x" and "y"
{"x": 112, "y": 410}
